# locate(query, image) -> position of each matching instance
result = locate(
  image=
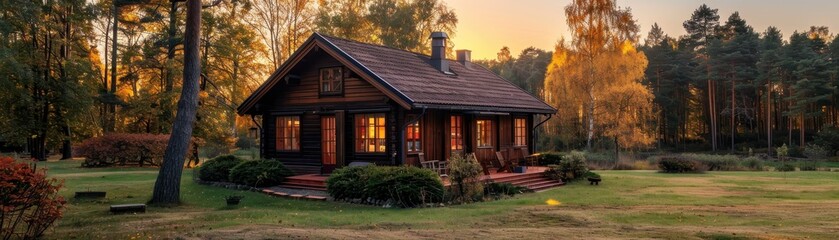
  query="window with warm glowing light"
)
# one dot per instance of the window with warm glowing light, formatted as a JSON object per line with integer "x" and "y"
{"x": 456, "y": 137}
{"x": 413, "y": 137}
{"x": 520, "y": 132}
{"x": 288, "y": 133}
{"x": 370, "y": 133}
{"x": 484, "y": 133}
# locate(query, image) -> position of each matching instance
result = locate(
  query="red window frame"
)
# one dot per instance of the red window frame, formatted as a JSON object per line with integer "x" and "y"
{"x": 456, "y": 135}
{"x": 288, "y": 133}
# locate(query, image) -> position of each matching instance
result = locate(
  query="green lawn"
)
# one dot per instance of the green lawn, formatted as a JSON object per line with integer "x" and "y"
{"x": 628, "y": 204}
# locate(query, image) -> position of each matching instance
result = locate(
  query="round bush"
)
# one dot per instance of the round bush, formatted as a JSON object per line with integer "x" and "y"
{"x": 218, "y": 168}
{"x": 404, "y": 186}
{"x": 347, "y": 183}
{"x": 259, "y": 173}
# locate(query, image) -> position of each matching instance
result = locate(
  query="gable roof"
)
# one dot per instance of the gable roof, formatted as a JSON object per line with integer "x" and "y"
{"x": 409, "y": 79}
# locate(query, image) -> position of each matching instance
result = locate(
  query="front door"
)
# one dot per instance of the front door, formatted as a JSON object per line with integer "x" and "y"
{"x": 485, "y": 143}
{"x": 328, "y": 144}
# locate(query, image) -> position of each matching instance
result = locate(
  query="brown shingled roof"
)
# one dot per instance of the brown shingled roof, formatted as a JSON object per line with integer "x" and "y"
{"x": 412, "y": 77}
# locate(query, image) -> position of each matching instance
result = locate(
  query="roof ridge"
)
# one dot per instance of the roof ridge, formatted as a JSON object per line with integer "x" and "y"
{"x": 375, "y": 45}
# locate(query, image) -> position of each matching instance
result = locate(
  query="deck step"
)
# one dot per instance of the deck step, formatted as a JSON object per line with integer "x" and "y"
{"x": 546, "y": 186}
{"x": 308, "y": 184}
{"x": 296, "y": 186}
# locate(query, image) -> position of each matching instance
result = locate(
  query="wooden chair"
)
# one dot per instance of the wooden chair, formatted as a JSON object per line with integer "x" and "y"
{"x": 429, "y": 164}
{"x": 529, "y": 160}
{"x": 506, "y": 165}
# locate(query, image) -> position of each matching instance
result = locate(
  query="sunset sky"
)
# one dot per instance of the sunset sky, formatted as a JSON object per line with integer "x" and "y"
{"x": 487, "y": 25}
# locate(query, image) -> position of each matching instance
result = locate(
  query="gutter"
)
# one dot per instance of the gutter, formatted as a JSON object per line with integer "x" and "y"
{"x": 534, "y": 131}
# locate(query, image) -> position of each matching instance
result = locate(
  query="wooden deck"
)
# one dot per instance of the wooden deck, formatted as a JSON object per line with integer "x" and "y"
{"x": 533, "y": 179}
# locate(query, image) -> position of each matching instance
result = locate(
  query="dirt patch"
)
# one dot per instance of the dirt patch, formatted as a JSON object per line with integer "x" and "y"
{"x": 692, "y": 191}
{"x": 97, "y": 174}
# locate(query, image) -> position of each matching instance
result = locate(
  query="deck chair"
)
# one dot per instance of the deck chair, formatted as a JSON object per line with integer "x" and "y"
{"x": 506, "y": 165}
{"x": 529, "y": 160}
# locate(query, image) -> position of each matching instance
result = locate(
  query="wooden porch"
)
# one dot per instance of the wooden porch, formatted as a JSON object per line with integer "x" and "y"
{"x": 534, "y": 179}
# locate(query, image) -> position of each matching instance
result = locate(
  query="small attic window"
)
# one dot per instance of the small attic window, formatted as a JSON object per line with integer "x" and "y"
{"x": 331, "y": 81}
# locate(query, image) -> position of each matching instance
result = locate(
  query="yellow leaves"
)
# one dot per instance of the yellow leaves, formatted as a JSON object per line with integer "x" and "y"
{"x": 552, "y": 202}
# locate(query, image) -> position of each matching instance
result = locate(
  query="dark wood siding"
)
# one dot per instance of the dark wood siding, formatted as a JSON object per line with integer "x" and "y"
{"x": 306, "y": 91}
{"x": 301, "y": 98}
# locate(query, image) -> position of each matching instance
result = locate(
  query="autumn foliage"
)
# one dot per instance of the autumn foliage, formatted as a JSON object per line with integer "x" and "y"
{"x": 122, "y": 149}
{"x": 29, "y": 202}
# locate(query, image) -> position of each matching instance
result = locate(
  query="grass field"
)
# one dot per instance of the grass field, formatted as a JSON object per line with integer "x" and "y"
{"x": 628, "y": 204}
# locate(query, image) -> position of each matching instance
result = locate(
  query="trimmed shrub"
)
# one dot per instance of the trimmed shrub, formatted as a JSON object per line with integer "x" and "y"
{"x": 498, "y": 190}
{"x": 29, "y": 202}
{"x": 786, "y": 167}
{"x": 124, "y": 149}
{"x": 592, "y": 175}
{"x": 465, "y": 174}
{"x": 348, "y": 183}
{"x": 572, "y": 167}
{"x": 218, "y": 169}
{"x": 403, "y": 186}
{"x": 550, "y": 158}
{"x": 259, "y": 173}
{"x": 679, "y": 165}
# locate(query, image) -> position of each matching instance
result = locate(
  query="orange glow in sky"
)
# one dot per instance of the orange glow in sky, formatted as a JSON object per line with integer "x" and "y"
{"x": 487, "y": 25}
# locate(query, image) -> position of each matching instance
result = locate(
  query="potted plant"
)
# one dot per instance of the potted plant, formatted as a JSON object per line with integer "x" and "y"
{"x": 593, "y": 178}
{"x": 233, "y": 200}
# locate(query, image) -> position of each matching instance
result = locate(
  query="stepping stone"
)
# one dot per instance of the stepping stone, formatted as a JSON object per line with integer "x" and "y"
{"x": 280, "y": 194}
{"x": 128, "y": 208}
{"x": 268, "y": 191}
{"x": 89, "y": 195}
{"x": 296, "y": 196}
{"x": 316, "y": 198}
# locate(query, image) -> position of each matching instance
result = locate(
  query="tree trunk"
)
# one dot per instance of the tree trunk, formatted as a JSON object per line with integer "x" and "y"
{"x": 768, "y": 117}
{"x": 110, "y": 126}
{"x": 169, "y": 81}
{"x": 733, "y": 112}
{"x": 167, "y": 187}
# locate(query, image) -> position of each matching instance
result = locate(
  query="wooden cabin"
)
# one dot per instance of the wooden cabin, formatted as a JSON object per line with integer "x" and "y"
{"x": 337, "y": 101}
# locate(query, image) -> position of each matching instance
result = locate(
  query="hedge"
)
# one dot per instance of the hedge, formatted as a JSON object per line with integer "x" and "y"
{"x": 680, "y": 165}
{"x": 124, "y": 149}
{"x": 259, "y": 173}
{"x": 402, "y": 186}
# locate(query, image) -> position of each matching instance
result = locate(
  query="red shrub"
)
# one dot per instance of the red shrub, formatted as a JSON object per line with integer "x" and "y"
{"x": 124, "y": 148}
{"x": 29, "y": 202}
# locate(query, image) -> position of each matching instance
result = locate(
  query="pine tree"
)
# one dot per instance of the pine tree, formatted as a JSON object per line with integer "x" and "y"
{"x": 702, "y": 29}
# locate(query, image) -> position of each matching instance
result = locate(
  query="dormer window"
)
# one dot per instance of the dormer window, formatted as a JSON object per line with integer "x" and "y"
{"x": 331, "y": 81}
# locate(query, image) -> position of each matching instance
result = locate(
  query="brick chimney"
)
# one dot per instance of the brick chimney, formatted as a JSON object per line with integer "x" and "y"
{"x": 465, "y": 57}
{"x": 438, "y": 51}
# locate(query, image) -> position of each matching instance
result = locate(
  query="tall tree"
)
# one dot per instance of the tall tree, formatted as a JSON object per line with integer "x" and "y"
{"x": 590, "y": 79}
{"x": 49, "y": 71}
{"x": 702, "y": 28}
{"x": 403, "y": 24}
{"x": 168, "y": 185}
{"x": 283, "y": 25}
{"x": 733, "y": 59}
{"x": 598, "y": 27}
{"x": 770, "y": 73}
